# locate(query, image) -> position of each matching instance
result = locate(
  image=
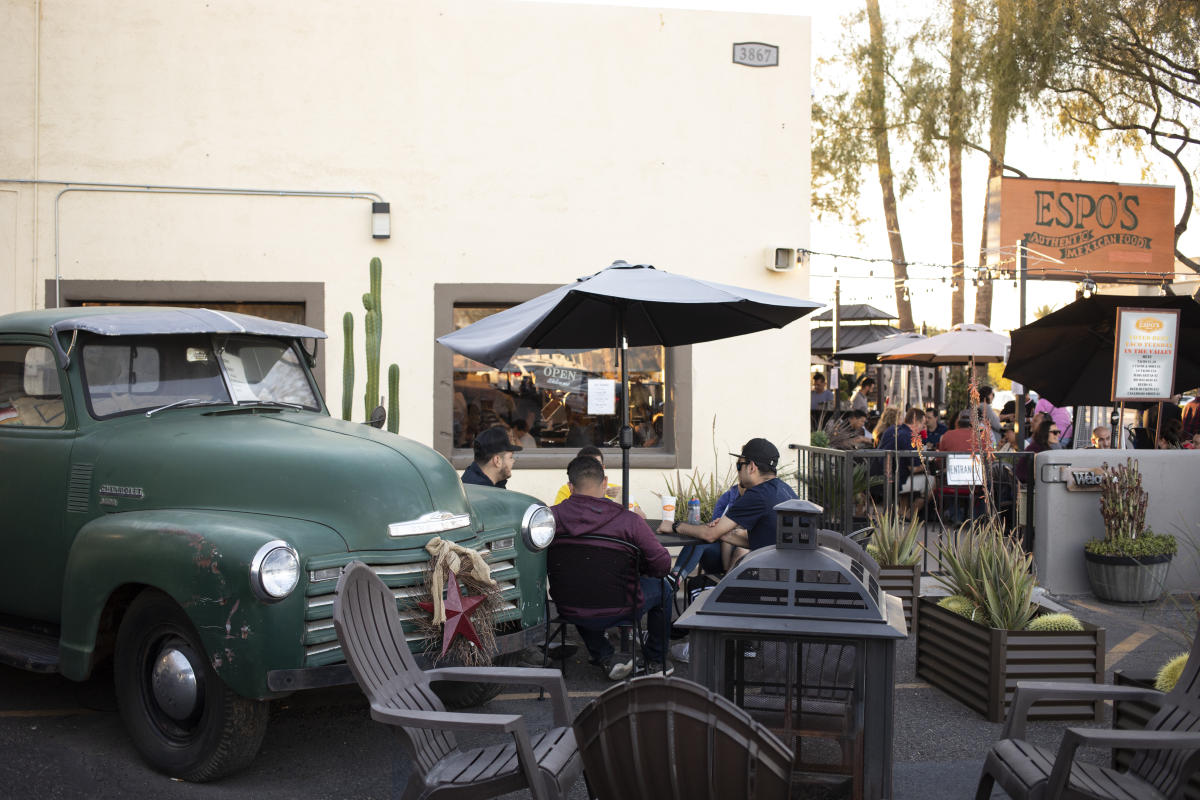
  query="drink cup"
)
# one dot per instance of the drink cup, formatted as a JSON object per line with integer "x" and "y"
{"x": 668, "y": 507}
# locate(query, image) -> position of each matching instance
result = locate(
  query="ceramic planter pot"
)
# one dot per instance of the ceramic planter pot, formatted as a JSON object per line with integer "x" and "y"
{"x": 980, "y": 666}
{"x": 1124, "y": 579}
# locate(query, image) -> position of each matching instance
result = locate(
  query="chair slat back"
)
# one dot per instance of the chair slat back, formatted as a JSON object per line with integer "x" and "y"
{"x": 1180, "y": 711}
{"x": 372, "y": 637}
{"x": 669, "y": 738}
{"x": 593, "y": 571}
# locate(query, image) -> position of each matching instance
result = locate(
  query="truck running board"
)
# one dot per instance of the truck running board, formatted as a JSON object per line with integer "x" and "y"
{"x": 36, "y": 652}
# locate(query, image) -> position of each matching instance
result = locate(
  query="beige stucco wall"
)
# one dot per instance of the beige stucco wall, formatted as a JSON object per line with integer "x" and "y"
{"x": 515, "y": 141}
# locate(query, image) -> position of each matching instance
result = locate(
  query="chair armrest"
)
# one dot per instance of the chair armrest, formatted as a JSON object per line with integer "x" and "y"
{"x": 549, "y": 679}
{"x": 446, "y": 720}
{"x": 1101, "y": 737}
{"x": 1030, "y": 692}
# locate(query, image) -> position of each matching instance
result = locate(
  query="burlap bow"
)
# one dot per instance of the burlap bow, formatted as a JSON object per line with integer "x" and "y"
{"x": 449, "y": 555}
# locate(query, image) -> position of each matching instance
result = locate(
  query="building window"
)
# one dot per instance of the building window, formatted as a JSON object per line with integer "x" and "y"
{"x": 541, "y": 396}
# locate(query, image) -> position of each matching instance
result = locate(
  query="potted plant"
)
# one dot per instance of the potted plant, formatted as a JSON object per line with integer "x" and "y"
{"x": 897, "y": 551}
{"x": 1129, "y": 565}
{"x": 989, "y": 633}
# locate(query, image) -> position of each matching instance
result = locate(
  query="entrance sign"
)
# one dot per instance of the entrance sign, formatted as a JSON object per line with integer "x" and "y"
{"x": 1144, "y": 354}
{"x": 964, "y": 469}
{"x": 1109, "y": 232}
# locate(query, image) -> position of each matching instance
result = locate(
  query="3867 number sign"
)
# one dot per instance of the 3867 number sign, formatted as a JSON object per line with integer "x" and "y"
{"x": 756, "y": 54}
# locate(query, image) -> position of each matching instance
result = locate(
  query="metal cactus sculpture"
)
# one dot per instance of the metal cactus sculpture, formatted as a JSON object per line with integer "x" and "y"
{"x": 373, "y": 303}
{"x": 373, "y": 338}
{"x": 393, "y": 417}
{"x": 347, "y": 365}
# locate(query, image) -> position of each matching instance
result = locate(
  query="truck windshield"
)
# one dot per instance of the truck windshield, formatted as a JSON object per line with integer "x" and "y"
{"x": 129, "y": 374}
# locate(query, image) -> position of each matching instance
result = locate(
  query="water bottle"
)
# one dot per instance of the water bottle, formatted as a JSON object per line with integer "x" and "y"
{"x": 693, "y": 516}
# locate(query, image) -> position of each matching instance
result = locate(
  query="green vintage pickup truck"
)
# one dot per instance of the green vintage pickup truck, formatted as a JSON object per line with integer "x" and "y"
{"x": 176, "y": 497}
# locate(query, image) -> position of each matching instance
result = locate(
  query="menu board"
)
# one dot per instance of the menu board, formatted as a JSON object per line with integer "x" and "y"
{"x": 1144, "y": 352}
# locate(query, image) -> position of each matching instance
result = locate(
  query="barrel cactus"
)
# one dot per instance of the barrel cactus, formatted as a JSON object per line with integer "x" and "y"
{"x": 1168, "y": 676}
{"x": 958, "y": 604}
{"x": 1054, "y": 622}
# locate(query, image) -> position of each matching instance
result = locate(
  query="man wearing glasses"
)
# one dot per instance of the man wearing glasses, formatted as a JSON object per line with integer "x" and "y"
{"x": 750, "y": 521}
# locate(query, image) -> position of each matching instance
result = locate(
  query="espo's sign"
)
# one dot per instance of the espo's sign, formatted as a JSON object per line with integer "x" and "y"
{"x": 1111, "y": 232}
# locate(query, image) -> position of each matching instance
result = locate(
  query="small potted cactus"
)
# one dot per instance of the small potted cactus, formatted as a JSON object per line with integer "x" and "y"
{"x": 1128, "y": 565}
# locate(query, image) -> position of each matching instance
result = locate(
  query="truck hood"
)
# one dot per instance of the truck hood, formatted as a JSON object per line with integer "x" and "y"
{"x": 350, "y": 477}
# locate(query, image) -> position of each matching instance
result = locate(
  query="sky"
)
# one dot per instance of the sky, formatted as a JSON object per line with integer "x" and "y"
{"x": 925, "y": 215}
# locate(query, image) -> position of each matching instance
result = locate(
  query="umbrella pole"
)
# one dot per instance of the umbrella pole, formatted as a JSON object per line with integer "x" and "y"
{"x": 1157, "y": 425}
{"x": 626, "y": 434}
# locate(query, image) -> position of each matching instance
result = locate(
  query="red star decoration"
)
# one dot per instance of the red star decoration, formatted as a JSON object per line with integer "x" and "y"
{"x": 458, "y": 610}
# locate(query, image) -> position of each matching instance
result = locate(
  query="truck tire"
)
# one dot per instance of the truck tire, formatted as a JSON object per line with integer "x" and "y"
{"x": 181, "y": 716}
{"x": 460, "y": 694}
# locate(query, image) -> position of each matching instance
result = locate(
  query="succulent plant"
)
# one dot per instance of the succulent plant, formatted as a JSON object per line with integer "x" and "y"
{"x": 958, "y": 604}
{"x": 986, "y": 564}
{"x": 895, "y": 541}
{"x": 1123, "y": 504}
{"x": 347, "y": 365}
{"x": 1168, "y": 676}
{"x": 1054, "y": 622}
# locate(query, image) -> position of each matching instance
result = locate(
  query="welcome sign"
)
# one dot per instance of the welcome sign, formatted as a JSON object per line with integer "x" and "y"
{"x": 1144, "y": 353}
{"x": 1111, "y": 232}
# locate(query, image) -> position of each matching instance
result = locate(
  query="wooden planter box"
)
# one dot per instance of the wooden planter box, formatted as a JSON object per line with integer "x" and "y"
{"x": 1132, "y": 715}
{"x": 980, "y": 666}
{"x": 905, "y": 583}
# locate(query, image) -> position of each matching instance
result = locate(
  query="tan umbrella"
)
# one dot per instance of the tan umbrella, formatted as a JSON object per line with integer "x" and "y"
{"x": 965, "y": 343}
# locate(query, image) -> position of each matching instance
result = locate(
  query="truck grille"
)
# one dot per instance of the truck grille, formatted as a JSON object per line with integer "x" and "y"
{"x": 320, "y": 639}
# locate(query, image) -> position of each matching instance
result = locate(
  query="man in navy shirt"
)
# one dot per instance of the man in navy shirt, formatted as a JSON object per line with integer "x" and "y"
{"x": 750, "y": 520}
{"x": 493, "y": 464}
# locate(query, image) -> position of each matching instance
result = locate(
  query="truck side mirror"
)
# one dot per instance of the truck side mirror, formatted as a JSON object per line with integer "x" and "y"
{"x": 378, "y": 417}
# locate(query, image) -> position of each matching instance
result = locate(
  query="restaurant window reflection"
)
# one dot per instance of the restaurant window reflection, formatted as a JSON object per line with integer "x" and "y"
{"x": 541, "y": 397}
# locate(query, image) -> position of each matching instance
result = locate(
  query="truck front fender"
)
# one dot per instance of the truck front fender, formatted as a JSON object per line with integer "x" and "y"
{"x": 202, "y": 560}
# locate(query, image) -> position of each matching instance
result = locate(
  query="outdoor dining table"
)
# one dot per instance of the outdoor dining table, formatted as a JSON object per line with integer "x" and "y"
{"x": 671, "y": 539}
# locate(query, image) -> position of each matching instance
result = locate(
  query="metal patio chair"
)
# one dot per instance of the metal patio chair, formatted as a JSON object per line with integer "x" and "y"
{"x": 372, "y": 638}
{"x": 667, "y": 738}
{"x": 1166, "y": 752}
{"x": 595, "y": 571}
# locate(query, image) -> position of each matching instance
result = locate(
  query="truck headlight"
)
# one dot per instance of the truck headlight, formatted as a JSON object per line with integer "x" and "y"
{"x": 274, "y": 571}
{"x": 537, "y": 528}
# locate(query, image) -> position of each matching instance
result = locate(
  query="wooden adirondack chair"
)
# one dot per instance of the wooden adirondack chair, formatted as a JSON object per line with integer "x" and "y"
{"x": 372, "y": 638}
{"x": 1167, "y": 750}
{"x": 672, "y": 739}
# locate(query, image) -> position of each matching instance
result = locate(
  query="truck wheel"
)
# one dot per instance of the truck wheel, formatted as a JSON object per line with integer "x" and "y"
{"x": 460, "y": 694}
{"x": 182, "y": 717}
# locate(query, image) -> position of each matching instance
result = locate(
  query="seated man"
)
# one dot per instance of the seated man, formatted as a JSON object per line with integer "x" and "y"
{"x": 614, "y": 489}
{"x": 912, "y": 482}
{"x": 749, "y": 523}
{"x": 493, "y": 464}
{"x": 587, "y": 511}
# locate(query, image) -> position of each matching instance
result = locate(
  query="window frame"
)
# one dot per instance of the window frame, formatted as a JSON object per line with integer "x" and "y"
{"x": 69, "y": 423}
{"x": 676, "y": 452}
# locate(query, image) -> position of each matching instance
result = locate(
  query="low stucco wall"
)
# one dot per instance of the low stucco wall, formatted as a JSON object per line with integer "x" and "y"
{"x": 1064, "y": 520}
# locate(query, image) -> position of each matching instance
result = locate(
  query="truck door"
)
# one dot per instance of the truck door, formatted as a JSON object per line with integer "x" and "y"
{"x": 36, "y": 435}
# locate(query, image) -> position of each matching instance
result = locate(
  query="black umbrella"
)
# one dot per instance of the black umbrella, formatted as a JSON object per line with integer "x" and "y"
{"x": 870, "y": 352}
{"x": 1067, "y": 356}
{"x": 629, "y": 305}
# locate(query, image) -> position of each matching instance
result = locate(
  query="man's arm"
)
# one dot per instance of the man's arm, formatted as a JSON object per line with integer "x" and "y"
{"x": 738, "y": 538}
{"x": 708, "y": 533}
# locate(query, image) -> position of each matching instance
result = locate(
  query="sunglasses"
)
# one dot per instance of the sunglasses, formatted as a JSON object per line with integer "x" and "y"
{"x": 1055, "y": 431}
{"x": 741, "y": 464}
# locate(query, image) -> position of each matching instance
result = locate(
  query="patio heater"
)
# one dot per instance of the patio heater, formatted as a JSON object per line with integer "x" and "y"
{"x": 803, "y": 638}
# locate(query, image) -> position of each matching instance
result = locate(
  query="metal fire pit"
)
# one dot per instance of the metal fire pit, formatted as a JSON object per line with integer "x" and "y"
{"x": 801, "y": 636}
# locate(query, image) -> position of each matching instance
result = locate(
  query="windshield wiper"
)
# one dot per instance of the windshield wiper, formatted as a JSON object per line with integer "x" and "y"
{"x": 270, "y": 404}
{"x": 191, "y": 401}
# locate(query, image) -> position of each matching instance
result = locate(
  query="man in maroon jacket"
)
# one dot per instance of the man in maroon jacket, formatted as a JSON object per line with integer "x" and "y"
{"x": 588, "y": 511}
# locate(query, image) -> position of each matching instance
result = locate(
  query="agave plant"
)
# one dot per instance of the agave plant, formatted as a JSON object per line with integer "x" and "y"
{"x": 986, "y": 564}
{"x": 894, "y": 540}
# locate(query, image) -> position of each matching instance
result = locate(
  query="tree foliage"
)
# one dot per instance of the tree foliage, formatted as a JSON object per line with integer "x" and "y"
{"x": 1130, "y": 78}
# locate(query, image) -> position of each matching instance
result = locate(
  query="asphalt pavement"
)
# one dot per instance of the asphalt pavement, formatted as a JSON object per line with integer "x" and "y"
{"x": 64, "y": 740}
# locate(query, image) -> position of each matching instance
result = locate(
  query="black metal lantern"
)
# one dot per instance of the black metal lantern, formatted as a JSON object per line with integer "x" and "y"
{"x": 802, "y": 637}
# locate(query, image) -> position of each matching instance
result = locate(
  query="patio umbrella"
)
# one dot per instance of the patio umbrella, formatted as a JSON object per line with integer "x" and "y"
{"x": 1067, "y": 356}
{"x": 626, "y": 305}
{"x": 965, "y": 343}
{"x": 869, "y": 353}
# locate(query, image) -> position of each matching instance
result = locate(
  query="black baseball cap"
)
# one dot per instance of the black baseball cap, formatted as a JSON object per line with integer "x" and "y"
{"x": 761, "y": 452}
{"x": 492, "y": 441}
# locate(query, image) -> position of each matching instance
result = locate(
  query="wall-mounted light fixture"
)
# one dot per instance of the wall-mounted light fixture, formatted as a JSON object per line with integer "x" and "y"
{"x": 381, "y": 220}
{"x": 784, "y": 259}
